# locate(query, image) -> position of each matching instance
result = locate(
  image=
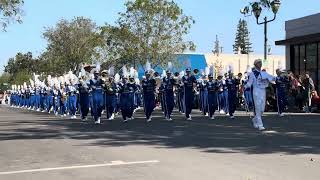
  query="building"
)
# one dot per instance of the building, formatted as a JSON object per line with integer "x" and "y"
{"x": 303, "y": 46}
{"x": 239, "y": 62}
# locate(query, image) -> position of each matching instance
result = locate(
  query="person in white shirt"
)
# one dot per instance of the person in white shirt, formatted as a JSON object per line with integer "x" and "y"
{"x": 259, "y": 80}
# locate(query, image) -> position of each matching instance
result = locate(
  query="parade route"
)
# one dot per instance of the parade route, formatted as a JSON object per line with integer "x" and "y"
{"x": 38, "y": 146}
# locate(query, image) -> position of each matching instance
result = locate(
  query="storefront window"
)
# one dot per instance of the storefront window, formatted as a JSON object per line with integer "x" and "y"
{"x": 318, "y": 68}
{"x": 296, "y": 60}
{"x": 302, "y": 60}
{"x": 311, "y": 61}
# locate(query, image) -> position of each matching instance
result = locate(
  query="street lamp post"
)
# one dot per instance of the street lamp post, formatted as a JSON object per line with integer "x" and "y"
{"x": 256, "y": 9}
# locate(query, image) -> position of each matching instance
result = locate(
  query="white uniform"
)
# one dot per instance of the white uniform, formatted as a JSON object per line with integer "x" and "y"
{"x": 259, "y": 81}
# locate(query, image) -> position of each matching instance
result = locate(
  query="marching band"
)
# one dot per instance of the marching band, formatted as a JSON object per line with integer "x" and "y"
{"x": 108, "y": 92}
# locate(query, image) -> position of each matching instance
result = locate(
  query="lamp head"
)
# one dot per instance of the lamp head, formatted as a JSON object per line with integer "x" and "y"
{"x": 256, "y": 9}
{"x": 275, "y": 5}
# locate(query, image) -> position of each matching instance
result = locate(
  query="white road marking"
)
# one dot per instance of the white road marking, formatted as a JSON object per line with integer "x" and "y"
{"x": 113, "y": 163}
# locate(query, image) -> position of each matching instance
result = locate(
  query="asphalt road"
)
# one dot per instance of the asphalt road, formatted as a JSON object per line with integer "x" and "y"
{"x": 39, "y": 146}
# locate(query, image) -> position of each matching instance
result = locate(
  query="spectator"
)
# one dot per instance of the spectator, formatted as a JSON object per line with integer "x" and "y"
{"x": 315, "y": 100}
{"x": 308, "y": 85}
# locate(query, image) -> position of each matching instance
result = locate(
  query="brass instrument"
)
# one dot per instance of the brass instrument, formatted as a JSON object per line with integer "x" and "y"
{"x": 63, "y": 95}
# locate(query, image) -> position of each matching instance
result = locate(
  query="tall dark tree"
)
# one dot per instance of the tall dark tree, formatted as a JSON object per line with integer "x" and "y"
{"x": 217, "y": 47}
{"x": 242, "y": 39}
{"x": 10, "y": 11}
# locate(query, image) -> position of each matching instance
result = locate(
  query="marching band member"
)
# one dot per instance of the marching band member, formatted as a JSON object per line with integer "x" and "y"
{"x": 167, "y": 89}
{"x": 259, "y": 81}
{"x": 188, "y": 82}
{"x": 63, "y": 98}
{"x": 50, "y": 94}
{"x": 138, "y": 95}
{"x": 148, "y": 85}
{"x": 232, "y": 89}
{"x": 282, "y": 82}
{"x": 247, "y": 90}
{"x": 96, "y": 84}
{"x": 212, "y": 87}
{"x": 111, "y": 90}
{"x": 43, "y": 97}
{"x": 179, "y": 91}
{"x": 126, "y": 96}
{"x": 203, "y": 92}
{"x": 56, "y": 96}
{"x": 225, "y": 93}
{"x": 13, "y": 96}
{"x": 37, "y": 97}
{"x": 72, "y": 95}
{"x": 220, "y": 85}
{"x": 19, "y": 96}
{"x": 83, "y": 88}
{"x": 132, "y": 82}
{"x": 31, "y": 99}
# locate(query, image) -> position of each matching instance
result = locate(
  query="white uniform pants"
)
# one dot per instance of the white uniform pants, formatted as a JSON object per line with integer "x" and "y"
{"x": 259, "y": 98}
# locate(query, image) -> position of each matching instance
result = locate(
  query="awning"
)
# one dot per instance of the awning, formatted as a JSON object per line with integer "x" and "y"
{"x": 299, "y": 40}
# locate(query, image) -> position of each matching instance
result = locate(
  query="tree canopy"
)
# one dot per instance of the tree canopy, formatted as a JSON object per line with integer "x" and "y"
{"x": 21, "y": 67}
{"x": 157, "y": 29}
{"x": 10, "y": 11}
{"x": 71, "y": 43}
{"x": 148, "y": 30}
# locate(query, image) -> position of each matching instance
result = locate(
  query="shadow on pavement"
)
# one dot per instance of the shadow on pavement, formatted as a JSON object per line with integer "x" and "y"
{"x": 293, "y": 134}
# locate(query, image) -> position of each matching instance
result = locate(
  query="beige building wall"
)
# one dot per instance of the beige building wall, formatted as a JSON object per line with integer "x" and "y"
{"x": 240, "y": 62}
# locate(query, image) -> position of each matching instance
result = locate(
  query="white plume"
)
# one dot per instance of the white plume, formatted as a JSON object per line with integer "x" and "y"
{"x": 163, "y": 74}
{"x": 248, "y": 69}
{"x": 31, "y": 82}
{"x": 132, "y": 72}
{"x": 207, "y": 71}
{"x": 61, "y": 80}
{"x": 202, "y": 72}
{"x": 137, "y": 80}
{"x": 111, "y": 71}
{"x": 125, "y": 71}
{"x": 181, "y": 74}
{"x": 98, "y": 66}
{"x": 148, "y": 66}
{"x": 170, "y": 66}
{"x": 117, "y": 78}
{"x": 230, "y": 68}
{"x": 212, "y": 70}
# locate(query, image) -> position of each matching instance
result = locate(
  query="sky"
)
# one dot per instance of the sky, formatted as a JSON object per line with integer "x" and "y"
{"x": 213, "y": 17}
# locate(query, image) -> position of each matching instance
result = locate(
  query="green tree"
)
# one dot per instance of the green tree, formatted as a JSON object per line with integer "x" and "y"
{"x": 21, "y": 67}
{"x": 21, "y": 77}
{"x": 10, "y": 11}
{"x": 242, "y": 39}
{"x": 157, "y": 29}
{"x": 20, "y": 62}
{"x": 4, "y": 82}
{"x": 71, "y": 43}
{"x": 117, "y": 48}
